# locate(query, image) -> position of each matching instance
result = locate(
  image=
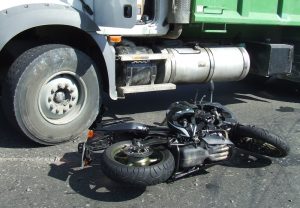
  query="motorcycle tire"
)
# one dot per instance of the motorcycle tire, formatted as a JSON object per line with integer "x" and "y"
{"x": 135, "y": 174}
{"x": 260, "y": 141}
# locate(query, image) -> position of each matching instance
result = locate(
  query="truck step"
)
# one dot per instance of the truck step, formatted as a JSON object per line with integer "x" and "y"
{"x": 145, "y": 88}
{"x": 143, "y": 57}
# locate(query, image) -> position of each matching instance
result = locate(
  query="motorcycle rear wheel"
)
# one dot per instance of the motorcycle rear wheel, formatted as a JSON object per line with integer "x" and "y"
{"x": 260, "y": 141}
{"x": 154, "y": 169}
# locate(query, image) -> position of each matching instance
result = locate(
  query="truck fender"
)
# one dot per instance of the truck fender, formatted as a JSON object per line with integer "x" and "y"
{"x": 109, "y": 55}
{"x": 19, "y": 18}
{"x": 23, "y": 17}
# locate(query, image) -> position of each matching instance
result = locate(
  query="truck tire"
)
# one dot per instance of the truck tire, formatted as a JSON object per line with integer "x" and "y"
{"x": 259, "y": 141}
{"x": 52, "y": 93}
{"x": 137, "y": 175}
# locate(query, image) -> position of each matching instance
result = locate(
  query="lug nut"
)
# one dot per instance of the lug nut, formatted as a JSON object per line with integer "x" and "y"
{"x": 52, "y": 91}
{"x": 70, "y": 105}
{"x": 71, "y": 90}
{"x": 66, "y": 85}
{"x": 51, "y": 107}
{"x": 64, "y": 110}
{"x": 49, "y": 99}
{"x": 57, "y": 111}
{"x": 73, "y": 98}
{"x": 60, "y": 86}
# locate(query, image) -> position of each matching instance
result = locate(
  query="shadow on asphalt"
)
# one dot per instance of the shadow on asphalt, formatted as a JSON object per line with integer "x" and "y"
{"x": 90, "y": 182}
{"x": 225, "y": 93}
{"x": 244, "y": 159}
{"x": 10, "y": 137}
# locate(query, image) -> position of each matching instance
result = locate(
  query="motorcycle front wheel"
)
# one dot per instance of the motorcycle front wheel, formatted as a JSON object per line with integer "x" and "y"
{"x": 260, "y": 141}
{"x": 155, "y": 168}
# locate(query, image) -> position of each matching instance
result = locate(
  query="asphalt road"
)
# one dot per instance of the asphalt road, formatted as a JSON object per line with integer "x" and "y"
{"x": 35, "y": 176}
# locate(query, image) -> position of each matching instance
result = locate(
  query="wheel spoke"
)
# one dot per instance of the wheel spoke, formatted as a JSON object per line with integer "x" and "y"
{"x": 121, "y": 157}
{"x": 259, "y": 147}
{"x": 153, "y": 160}
{"x": 129, "y": 160}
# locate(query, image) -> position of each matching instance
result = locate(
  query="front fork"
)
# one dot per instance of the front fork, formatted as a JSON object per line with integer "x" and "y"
{"x": 96, "y": 142}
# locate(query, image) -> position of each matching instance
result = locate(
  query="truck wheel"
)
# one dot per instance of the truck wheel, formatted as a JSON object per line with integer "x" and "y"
{"x": 52, "y": 94}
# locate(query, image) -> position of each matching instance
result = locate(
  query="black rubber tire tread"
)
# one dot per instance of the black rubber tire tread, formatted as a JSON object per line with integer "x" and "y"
{"x": 11, "y": 84}
{"x": 263, "y": 135}
{"x": 138, "y": 176}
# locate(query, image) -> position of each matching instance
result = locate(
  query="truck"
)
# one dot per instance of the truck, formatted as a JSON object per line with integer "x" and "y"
{"x": 59, "y": 57}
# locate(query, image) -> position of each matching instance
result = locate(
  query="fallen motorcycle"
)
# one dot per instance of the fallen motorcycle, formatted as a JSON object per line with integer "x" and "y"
{"x": 196, "y": 135}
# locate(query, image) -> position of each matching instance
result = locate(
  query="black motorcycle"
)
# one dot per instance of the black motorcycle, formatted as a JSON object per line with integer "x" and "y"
{"x": 195, "y": 135}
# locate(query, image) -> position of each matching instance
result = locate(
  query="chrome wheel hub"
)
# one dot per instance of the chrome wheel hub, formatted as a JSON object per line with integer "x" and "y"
{"x": 129, "y": 156}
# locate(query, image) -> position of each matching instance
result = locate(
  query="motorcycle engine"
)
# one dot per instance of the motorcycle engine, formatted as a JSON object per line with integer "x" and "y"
{"x": 213, "y": 147}
{"x": 201, "y": 134}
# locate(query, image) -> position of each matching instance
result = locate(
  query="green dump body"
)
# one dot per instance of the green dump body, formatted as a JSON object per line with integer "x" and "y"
{"x": 244, "y": 21}
{"x": 274, "y": 20}
{"x": 258, "y": 12}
